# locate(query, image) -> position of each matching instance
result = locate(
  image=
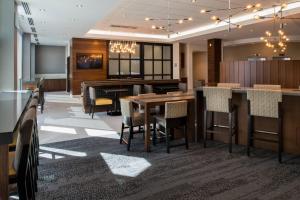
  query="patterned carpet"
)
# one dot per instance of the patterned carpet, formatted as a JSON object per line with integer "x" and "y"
{"x": 98, "y": 167}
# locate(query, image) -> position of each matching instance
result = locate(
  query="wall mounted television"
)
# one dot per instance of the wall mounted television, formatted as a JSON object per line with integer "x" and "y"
{"x": 89, "y": 61}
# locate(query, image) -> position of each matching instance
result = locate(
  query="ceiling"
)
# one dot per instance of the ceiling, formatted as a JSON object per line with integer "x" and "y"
{"x": 56, "y": 21}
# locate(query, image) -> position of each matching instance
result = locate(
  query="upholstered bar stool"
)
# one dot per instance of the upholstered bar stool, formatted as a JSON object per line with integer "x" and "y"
{"x": 219, "y": 100}
{"x": 175, "y": 117}
{"x": 130, "y": 119}
{"x": 137, "y": 89}
{"x": 264, "y": 103}
{"x": 148, "y": 89}
{"x": 98, "y": 101}
{"x": 269, "y": 87}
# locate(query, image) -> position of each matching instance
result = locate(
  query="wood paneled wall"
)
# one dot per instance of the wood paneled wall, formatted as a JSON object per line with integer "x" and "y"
{"x": 247, "y": 73}
{"x": 78, "y": 75}
{"x": 214, "y": 52}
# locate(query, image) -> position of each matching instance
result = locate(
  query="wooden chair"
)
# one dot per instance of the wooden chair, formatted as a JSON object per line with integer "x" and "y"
{"x": 130, "y": 120}
{"x": 22, "y": 168}
{"x": 269, "y": 87}
{"x": 98, "y": 101}
{"x": 175, "y": 117}
{"x": 218, "y": 99}
{"x": 265, "y": 103}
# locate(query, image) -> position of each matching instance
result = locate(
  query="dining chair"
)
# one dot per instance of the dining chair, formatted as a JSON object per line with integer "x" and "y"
{"x": 148, "y": 89}
{"x": 175, "y": 93}
{"x": 270, "y": 87}
{"x": 175, "y": 117}
{"x": 230, "y": 85}
{"x": 22, "y": 168}
{"x": 137, "y": 89}
{"x": 219, "y": 100}
{"x": 98, "y": 101}
{"x": 130, "y": 120}
{"x": 267, "y": 104}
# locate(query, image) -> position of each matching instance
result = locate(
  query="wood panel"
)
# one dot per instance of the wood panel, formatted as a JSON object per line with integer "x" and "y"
{"x": 77, "y": 76}
{"x": 55, "y": 85}
{"x": 247, "y": 73}
{"x": 214, "y": 52}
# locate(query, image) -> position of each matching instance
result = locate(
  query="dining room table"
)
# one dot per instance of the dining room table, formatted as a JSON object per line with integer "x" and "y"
{"x": 12, "y": 107}
{"x": 149, "y": 102}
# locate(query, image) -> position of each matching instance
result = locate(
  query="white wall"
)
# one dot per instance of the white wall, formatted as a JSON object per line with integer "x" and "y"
{"x": 19, "y": 58}
{"x": 26, "y": 72}
{"x": 176, "y": 60}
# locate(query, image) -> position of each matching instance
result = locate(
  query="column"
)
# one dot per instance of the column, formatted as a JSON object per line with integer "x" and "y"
{"x": 214, "y": 56}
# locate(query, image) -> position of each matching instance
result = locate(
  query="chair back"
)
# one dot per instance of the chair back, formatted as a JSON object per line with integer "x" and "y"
{"x": 92, "y": 92}
{"x": 175, "y": 93}
{"x": 264, "y": 103}
{"x": 147, "y": 95}
{"x": 175, "y": 109}
{"x": 230, "y": 85}
{"x": 24, "y": 139}
{"x": 137, "y": 89}
{"x": 148, "y": 88}
{"x": 182, "y": 87}
{"x": 126, "y": 108}
{"x": 33, "y": 103}
{"x": 217, "y": 98}
{"x": 270, "y": 87}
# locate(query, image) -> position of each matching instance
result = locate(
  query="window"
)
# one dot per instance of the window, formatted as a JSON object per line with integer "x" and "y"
{"x": 150, "y": 61}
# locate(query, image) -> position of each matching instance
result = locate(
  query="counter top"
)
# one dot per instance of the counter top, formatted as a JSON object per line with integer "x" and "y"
{"x": 12, "y": 106}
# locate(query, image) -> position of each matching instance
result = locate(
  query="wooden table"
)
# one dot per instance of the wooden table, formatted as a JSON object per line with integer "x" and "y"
{"x": 12, "y": 107}
{"x": 159, "y": 100}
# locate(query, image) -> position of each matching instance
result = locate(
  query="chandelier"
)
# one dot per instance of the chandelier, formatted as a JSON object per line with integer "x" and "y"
{"x": 122, "y": 47}
{"x": 277, "y": 39}
{"x": 168, "y": 21}
{"x": 232, "y": 11}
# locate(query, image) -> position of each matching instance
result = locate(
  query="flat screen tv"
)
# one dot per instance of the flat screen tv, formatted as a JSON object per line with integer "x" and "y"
{"x": 89, "y": 61}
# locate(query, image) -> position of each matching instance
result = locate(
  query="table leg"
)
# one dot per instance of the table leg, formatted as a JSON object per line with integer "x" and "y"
{"x": 147, "y": 127}
{"x": 3, "y": 172}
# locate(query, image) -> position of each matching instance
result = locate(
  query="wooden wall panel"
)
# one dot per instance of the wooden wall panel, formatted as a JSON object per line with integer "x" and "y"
{"x": 78, "y": 75}
{"x": 247, "y": 73}
{"x": 52, "y": 85}
{"x": 214, "y": 52}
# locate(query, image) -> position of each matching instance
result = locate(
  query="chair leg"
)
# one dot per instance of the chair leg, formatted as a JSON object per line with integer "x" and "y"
{"x": 280, "y": 140}
{"x": 212, "y": 125}
{"x": 90, "y": 109}
{"x": 122, "y": 132}
{"x": 230, "y": 133}
{"x": 168, "y": 139}
{"x": 129, "y": 138}
{"x": 250, "y": 130}
{"x": 93, "y": 111}
{"x": 154, "y": 134}
{"x": 204, "y": 129}
{"x": 186, "y": 137}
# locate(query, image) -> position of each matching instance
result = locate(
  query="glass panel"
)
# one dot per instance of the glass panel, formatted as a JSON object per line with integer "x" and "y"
{"x": 147, "y": 77}
{"x": 137, "y": 52}
{"x": 167, "y": 77}
{"x": 157, "y": 67}
{"x": 113, "y": 55}
{"x": 124, "y": 55}
{"x": 167, "y": 52}
{"x": 135, "y": 67}
{"x": 114, "y": 67}
{"x": 148, "y": 67}
{"x": 148, "y": 54}
{"x": 157, "y": 78}
{"x": 157, "y": 52}
{"x": 124, "y": 67}
{"x": 167, "y": 67}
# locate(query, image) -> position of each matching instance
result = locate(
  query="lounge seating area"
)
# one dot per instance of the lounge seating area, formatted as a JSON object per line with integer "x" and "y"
{"x": 161, "y": 99}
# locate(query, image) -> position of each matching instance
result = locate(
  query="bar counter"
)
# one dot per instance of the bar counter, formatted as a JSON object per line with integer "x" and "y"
{"x": 12, "y": 107}
{"x": 291, "y": 120}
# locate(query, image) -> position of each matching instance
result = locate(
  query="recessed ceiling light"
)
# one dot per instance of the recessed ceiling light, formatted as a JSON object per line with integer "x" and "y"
{"x": 79, "y": 6}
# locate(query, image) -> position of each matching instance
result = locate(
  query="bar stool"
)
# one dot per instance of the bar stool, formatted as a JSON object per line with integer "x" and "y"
{"x": 219, "y": 99}
{"x": 154, "y": 110}
{"x": 97, "y": 101}
{"x": 265, "y": 103}
{"x": 148, "y": 88}
{"x": 175, "y": 117}
{"x": 22, "y": 169}
{"x": 130, "y": 120}
{"x": 137, "y": 89}
{"x": 269, "y": 87}
{"x": 182, "y": 87}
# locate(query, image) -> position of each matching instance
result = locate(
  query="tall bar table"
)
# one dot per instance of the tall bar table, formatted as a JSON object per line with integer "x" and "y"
{"x": 12, "y": 106}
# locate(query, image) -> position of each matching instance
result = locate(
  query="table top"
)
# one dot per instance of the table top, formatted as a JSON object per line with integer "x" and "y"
{"x": 12, "y": 106}
{"x": 116, "y": 90}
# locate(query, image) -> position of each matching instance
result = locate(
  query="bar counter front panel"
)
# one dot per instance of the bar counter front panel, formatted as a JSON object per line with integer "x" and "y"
{"x": 291, "y": 120}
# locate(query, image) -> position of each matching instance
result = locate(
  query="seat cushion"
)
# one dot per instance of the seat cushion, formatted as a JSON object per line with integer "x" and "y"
{"x": 103, "y": 101}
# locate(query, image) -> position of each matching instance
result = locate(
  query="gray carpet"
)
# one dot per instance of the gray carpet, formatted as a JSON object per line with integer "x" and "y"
{"x": 93, "y": 165}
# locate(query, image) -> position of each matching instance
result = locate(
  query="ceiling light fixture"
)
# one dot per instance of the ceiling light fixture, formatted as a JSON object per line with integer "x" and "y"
{"x": 169, "y": 21}
{"x": 232, "y": 12}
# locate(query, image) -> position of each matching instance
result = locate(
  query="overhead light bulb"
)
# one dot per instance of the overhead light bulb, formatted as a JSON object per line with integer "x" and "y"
{"x": 262, "y": 38}
{"x": 258, "y": 5}
{"x": 203, "y": 11}
{"x": 190, "y": 19}
{"x": 147, "y": 19}
{"x": 153, "y": 27}
{"x": 180, "y": 21}
{"x": 214, "y": 17}
{"x": 249, "y": 6}
{"x": 256, "y": 17}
